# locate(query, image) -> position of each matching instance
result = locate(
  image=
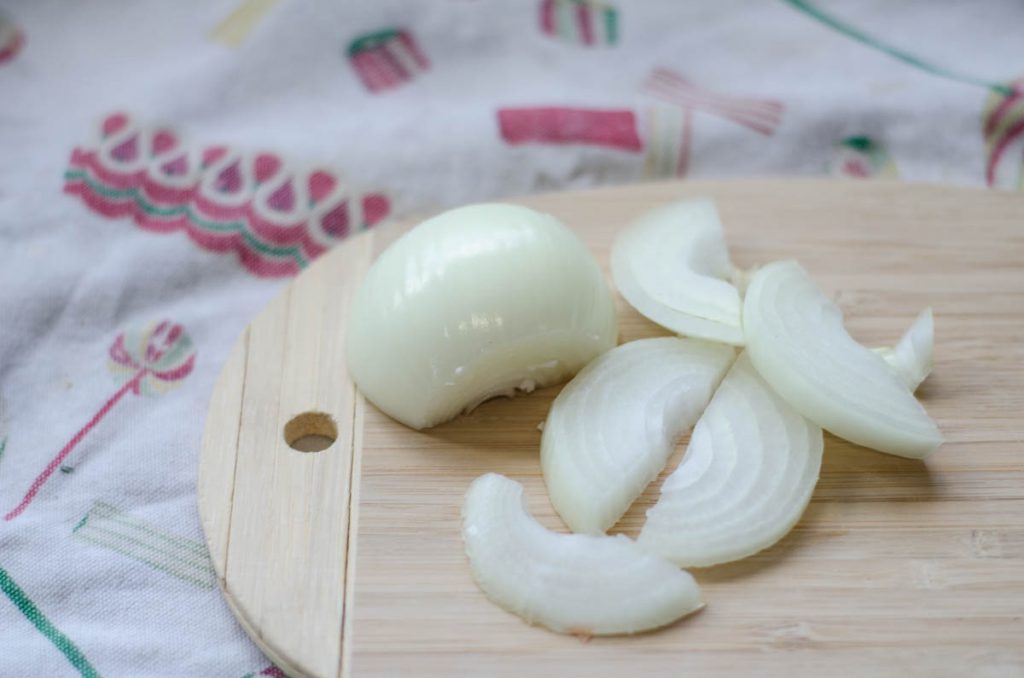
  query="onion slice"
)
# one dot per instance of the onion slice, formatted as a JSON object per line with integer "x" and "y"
{"x": 613, "y": 427}
{"x": 570, "y": 583}
{"x": 796, "y": 340}
{"x": 672, "y": 265}
{"x": 911, "y": 357}
{"x": 747, "y": 476}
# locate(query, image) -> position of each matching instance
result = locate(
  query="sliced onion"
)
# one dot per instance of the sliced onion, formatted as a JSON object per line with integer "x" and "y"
{"x": 612, "y": 428}
{"x": 570, "y": 583}
{"x": 748, "y": 473}
{"x": 796, "y": 340}
{"x": 479, "y": 301}
{"x": 672, "y": 265}
{"x": 911, "y": 357}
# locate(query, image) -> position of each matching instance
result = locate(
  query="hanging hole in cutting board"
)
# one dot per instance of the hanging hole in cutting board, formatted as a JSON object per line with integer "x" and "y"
{"x": 311, "y": 432}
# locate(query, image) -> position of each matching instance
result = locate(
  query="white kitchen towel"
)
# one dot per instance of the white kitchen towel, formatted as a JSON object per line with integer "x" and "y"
{"x": 166, "y": 167}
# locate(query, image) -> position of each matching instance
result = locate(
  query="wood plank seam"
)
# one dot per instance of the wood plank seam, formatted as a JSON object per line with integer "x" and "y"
{"x": 223, "y": 576}
{"x": 356, "y": 469}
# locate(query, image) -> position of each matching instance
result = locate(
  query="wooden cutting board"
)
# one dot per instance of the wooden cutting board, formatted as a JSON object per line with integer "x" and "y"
{"x": 349, "y": 561}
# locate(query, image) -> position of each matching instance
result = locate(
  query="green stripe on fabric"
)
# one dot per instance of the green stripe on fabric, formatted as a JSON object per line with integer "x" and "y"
{"x": 118, "y": 517}
{"x": 565, "y": 20}
{"x": 43, "y": 625}
{"x": 906, "y": 57}
{"x": 859, "y": 143}
{"x": 218, "y": 227}
{"x": 371, "y": 40}
{"x": 113, "y": 542}
{"x": 665, "y": 141}
{"x": 611, "y": 25}
{"x": 180, "y": 557}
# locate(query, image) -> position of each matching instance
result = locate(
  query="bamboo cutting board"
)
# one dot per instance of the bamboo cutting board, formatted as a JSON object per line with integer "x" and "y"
{"x": 349, "y": 561}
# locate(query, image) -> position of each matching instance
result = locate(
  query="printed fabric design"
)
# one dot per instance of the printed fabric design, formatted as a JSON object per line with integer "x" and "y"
{"x": 1003, "y": 129}
{"x": 271, "y": 671}
{"x": 386, "y": 59}
{"x": 148, "y": 362}
{"x": 559, "y": 125}
{"x": 109, "y": 527}
{"x": 3, "y": 426}
{"x": 237, "y": 26}
{"x": 580, "y": 22}
{"x": 25, "y": 605}
{"x": 861, "y": 157}
{"x": 11, "y": 39}
{"x": 277, "y": 218}
{"x": 670, "y": 135}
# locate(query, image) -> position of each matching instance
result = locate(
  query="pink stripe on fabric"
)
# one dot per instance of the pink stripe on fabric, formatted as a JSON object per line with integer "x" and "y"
{"x": 561, "y": 125}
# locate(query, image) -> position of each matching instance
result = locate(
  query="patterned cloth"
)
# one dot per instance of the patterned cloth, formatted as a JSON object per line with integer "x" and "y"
{"x": 166, "y": 167}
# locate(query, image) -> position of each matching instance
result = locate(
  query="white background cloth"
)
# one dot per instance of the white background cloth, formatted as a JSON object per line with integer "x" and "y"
{"x": 73, "y": 279}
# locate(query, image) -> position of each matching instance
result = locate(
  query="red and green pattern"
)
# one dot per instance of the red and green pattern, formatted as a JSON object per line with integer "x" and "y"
{"x": 861, "y": 157}
{"x": 386, "y": 59}
{"x": 113, "y": 529}
{"x": 670, "y": 132}
{"x": 147, "y": 362}
{"x": 274, "y": 217}
{"x": 581, "y": 22}
{"x": 1003, "y": 130}
{"x": 20, "y": 600}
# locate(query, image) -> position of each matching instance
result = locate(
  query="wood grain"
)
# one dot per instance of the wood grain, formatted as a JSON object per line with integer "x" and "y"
{"x": 898, "y": 568}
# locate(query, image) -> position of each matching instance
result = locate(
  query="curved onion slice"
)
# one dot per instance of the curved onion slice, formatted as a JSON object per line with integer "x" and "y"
{"x": 672, "y": 265}
{"x": 796, "y": 340}
{"x": 911, "y": 357}
{"x": 748, "y": 473}
{"x": 570, "y": 583}
{"x": 612, "y": 428}
{"x": 479, "y": 301}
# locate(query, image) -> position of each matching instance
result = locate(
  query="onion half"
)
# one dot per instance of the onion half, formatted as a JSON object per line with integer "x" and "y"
{"x": 613, "y": 427}
{"x": 796, "y": 340}
{"x": 911, "y": 357}
{"x": 479, "y": 301}
{"x": 569, "y": 583}
{"x": 747, "y": 476}
{"x": 672, "y": 265}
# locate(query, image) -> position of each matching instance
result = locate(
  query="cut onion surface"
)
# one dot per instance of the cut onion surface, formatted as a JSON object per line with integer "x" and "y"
{"x": 797, "y": 342}
{"x": 570, "y": 583}
{"x": 748, "y": 473}
{"x": 911, "y": 357}
{"x": 477, "y": 302}
{"x": 613, "y": 427}
{"x": 672, "y": 265}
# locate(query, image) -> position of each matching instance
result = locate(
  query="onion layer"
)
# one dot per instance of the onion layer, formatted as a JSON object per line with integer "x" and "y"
{"x": 748, "y": 473}
{"x": 672, "y": 265}
{"x": 796, "y": 340}
{"x": 479, "y": 301}
{"x": 569, "y": 583}
{"x": 911, "y": 357}
{"x": 613, "y": 427}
